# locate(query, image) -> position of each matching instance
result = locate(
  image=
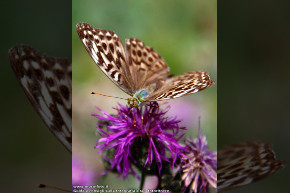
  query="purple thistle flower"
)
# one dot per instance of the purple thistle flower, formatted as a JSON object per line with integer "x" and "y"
{"x": 199, "y": 165}
{"x": 141, "y": 137}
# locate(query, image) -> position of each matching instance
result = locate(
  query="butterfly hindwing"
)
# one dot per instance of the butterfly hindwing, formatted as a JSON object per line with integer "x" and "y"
{"x": 145, "y": 64}
{"x": 46, "y": 82}
{"x": 188, "y": 83}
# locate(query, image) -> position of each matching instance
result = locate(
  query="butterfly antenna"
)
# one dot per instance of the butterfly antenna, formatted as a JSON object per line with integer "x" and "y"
{"x": 52, "y": 187}
{"x": 107, "y": 95}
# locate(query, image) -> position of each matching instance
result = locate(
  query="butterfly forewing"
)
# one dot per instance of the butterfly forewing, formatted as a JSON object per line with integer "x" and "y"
{"x": 46, "y": 82}
{"x": 139, "y": 68}
{"x": 107, "y": 51}
{"x": 245, "y": 163}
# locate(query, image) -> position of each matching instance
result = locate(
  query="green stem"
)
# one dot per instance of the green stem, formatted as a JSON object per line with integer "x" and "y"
{"x": 142, "y": 179}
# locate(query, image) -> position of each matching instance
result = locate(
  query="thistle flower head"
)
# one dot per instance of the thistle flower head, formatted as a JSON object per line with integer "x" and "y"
{"x": 199, "y": 166}
{"x": 143, "y": 137}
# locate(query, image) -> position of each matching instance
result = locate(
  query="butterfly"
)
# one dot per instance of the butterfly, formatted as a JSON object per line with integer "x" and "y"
{"x": 244, "y": 163}
{"x": 139, "y": 71}
{"x": 46, "y": 81}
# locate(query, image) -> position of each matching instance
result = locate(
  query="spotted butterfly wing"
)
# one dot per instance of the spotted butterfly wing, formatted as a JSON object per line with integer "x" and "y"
{"x": 139, "y": 68}
{"x": 46, "y": 82}
{"x": 107, "y": 51}
{"x": 147, "y": 68}
{"x": 185, "y": 84}
{"x": 244, "y": 163}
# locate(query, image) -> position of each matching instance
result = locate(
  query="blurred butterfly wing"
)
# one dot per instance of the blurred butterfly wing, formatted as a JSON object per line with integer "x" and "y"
{"x": 46, "y": 81}
{"x": 244, "y": 163}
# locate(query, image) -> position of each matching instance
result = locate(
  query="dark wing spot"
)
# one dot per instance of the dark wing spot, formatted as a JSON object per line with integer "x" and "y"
{"x": 110, "y": 66}
{"x": 101, "y": 36}
{"x": 169, "y": 94}
{"x": 139, "y": 53}
{"x": 134, "y": 52}
{"x": 120, "y": 56}
{"x": 104, "y": 45}
{"x": 69, "y": 139}
{"x": 64, "y": 92}
{"x": 38, "y": 74}
{"x": 111, "y": 47}
{"x": 50, "y": 82}
{"x": 179, "y": 89}
{"x": 109, "y": 37}
{"x": 113, "y": 74}
{"x": 101, "y": 61}
{"x": 100, "y": 49}
{"x": 110, "y": 57}
{"x": 29, "y": 73}
{"x": 59, "y": 73}
{"x": 55, "y": 97}
{"x": 119, "y": 78}
{"x": 57, "y": 121}
{"x": 150, "y": 59}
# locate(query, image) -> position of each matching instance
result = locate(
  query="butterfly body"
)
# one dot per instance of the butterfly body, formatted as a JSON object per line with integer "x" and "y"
{"x": 139, "y": 70}
{"x": 139, "y": 97}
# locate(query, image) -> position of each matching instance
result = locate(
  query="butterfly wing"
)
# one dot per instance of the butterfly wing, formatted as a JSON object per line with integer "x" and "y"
{"x": 245, "y": 163}
{"x": 178, "y": 86}
{"x": 107, "y": 51}
{"x": 147, "y": 67}
{"x": 149, "y": 71}
{"x": 140, "y": 68}
{"x": 46, "y": 81}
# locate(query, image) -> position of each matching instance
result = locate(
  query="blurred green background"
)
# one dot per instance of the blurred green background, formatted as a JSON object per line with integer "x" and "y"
{"x": 183, "y": 32}
{"x": 253, "y": 91}
{"x": 30, "y": 153}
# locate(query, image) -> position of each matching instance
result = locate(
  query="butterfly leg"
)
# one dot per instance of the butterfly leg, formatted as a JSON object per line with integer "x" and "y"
{"x": 141, "y": 109}
{"x": 155, "y": 107}
{"x": 132, "y": 110}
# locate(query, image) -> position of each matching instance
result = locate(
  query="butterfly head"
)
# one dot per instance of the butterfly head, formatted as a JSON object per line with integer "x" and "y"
{"x": 138, "y": 98}
{"x": 133, "y": 102}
